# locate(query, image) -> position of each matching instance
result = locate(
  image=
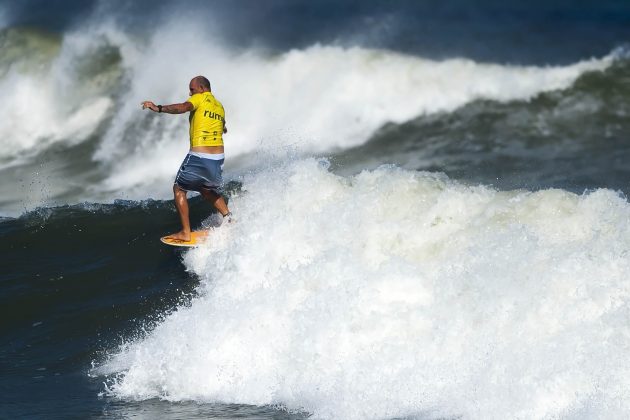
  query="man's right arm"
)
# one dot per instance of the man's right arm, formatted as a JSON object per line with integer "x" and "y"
{"x": 168, "y": 109}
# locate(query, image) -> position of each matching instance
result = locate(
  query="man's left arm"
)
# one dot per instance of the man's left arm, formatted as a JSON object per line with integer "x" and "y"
{"x": 168, "y": 109}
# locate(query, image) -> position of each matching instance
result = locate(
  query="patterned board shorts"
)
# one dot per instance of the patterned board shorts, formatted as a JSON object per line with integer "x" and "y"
{"x": 201, "y": 171}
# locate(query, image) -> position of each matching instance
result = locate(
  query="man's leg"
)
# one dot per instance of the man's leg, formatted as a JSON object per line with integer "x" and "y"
{"x": 217, "y": 201}
{"x": 181, "y": 202}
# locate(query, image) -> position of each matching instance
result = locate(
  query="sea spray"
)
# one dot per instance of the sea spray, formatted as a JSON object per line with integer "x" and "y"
{"x": 396, "y": 293}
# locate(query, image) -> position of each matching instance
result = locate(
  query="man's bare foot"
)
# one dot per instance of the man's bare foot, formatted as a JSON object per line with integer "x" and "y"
{"x": 180, "y": 236}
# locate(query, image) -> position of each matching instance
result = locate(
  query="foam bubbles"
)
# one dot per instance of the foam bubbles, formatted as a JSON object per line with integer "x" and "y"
{"x": 396, "y": 293}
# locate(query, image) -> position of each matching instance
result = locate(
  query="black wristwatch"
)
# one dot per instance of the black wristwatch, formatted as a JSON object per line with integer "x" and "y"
{"x": 159, "y": 108}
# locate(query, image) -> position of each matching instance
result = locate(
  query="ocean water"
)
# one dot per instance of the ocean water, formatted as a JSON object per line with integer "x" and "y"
{"x": 430, "y": 197}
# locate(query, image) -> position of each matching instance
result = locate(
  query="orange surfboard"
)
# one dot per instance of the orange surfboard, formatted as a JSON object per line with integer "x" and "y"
{"x": 196, "y": 238}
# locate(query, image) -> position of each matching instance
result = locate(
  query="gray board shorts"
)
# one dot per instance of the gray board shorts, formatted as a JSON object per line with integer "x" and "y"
{"x": 198, "y": 173}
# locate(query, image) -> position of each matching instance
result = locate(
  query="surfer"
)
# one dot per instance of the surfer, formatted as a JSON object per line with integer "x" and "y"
{"x": 202, "y": 167}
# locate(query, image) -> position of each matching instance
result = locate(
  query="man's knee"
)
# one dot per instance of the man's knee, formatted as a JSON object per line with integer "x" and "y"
{"x": 177, "y": 190}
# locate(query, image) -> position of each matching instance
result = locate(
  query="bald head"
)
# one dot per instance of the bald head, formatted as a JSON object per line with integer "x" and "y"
{"x": 200, "y": 84}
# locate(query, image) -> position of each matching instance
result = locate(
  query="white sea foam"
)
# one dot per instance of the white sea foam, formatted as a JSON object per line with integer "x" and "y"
{"x": 396, "y": 293}
{"x": 50, "y": 101}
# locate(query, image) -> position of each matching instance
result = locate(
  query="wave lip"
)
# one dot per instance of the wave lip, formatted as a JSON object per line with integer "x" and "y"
{"x": 396, "y": 293}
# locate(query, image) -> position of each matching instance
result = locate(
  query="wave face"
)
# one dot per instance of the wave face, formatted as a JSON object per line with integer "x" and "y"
{"x": 395, "y": 293}
{"x": 86, "y": 124}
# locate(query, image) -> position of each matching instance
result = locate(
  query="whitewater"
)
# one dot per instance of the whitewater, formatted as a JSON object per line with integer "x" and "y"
{"x": 399, "y": 294}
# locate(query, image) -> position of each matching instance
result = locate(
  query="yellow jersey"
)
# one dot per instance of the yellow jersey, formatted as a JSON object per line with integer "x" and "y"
{"x": 207, "y": 120}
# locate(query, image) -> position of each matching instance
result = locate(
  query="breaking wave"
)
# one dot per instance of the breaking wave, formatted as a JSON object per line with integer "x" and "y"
{"x": 394, "y": 293}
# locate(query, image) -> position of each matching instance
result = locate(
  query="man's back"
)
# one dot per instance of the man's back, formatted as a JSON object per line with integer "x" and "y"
{"x": 207, "y": 121}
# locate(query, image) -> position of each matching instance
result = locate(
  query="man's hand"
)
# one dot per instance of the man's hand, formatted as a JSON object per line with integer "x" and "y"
{"x": 148, "y": 104}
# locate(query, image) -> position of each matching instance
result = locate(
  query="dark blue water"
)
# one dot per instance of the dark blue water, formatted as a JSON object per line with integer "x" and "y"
{"x": 538, "y": 32}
